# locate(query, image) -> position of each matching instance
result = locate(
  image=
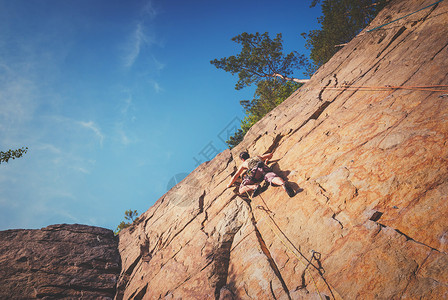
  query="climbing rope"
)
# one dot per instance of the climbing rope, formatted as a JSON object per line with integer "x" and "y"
{"x": 378, "y": 27}
{"x": 268, "y": 212}
{"x": 427, "y": 88}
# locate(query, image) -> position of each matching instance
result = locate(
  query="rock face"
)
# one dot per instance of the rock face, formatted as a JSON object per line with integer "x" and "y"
{"x": 59, "y": 261}
{"x": 369, "y": 165}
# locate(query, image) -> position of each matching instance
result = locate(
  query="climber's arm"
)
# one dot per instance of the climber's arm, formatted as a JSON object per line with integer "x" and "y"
{"x": 266, "y": 157}
{"x": 236, "y": 175}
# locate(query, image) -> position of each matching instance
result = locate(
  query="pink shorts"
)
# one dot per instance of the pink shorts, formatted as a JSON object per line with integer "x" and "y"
{"x": 268, "y": 177}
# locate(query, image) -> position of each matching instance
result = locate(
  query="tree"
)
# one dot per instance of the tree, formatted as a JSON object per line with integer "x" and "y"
{"x": 130, "y": 215}
{"x": 6, "y": 156}
{"x": 340, "y": 22}
{"x": 261, "y": 58}
{"x": 261, "y": 62}
{"x": 268, "y": 95}
{"x": 235, "y": 139}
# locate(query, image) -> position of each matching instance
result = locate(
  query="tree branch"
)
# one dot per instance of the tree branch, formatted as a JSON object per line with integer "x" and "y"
{"x": 288, "y": 78}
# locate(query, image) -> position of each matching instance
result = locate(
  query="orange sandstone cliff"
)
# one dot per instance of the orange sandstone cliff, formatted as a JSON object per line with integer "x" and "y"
{"x": 369, "y": 164}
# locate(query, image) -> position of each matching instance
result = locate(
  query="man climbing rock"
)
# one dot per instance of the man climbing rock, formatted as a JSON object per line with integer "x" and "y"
{"x": 256, "y": 171}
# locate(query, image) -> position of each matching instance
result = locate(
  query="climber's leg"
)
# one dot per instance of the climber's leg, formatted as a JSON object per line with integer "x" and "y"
{"x": 276, "y": 180}
{"x": 273, "y": 179}
{"x": 247, "y": 188}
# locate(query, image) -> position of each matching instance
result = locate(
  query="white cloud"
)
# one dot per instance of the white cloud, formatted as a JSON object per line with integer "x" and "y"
{"x": 140, "y": 39}
{"x": 127, "y": 105}
{"x": 82, "y": 170}
{"x": 128, "y": 109}
{"x": 157, "y": 87}
{"x": 17, "y": 94}
{"x": 93, "y": 221}
{"x": 91, "y": 125}
{"x": 123, "y": 129}
{"x": 122, "y": 136}
{"x": 159, "y": 65}
{"x": 57, "y": 123}
{"x": 137, "y": 41}
{"x": 50, "y": 207}
{"x": 66, "y": 215}
{"x": 150, "y": 10}
{"x": 48, "y": 147}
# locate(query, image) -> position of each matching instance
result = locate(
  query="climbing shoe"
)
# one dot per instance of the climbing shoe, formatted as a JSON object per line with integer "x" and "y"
{"x": 289, "y": 190}
{"x": 256, "y": 192}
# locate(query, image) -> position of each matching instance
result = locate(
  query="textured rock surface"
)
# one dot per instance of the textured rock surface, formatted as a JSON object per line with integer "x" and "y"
{"x": 371, "y": 171}
{"x": 59, "y": 261}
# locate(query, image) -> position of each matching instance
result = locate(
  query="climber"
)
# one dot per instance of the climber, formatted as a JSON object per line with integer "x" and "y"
{"x": 256, "y": 171}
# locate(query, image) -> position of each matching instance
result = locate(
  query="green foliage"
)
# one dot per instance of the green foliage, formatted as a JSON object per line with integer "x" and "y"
{"x": 6, "y": 156}
{"x": 261, "y": 62}
{"x": 121, "y": 226}
{"x": 130, "y": 215}
{"x": 261, "y": 57}
{"x": 268, "y": 95}
{"x": 236, "y": 138}
{"x": 341, "y": 21}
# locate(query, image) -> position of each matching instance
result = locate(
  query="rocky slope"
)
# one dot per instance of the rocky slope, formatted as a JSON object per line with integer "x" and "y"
{"x": 370, "y": 218}
{"x": 59, "y": 261}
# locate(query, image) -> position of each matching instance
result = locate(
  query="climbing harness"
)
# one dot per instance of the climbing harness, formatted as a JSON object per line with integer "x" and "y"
{"x": 378, "y": 27}
{"x": 269, "y": 212}
{"x": 256, "y": 171}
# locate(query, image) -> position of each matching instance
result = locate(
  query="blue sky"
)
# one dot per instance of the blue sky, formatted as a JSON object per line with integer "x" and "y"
{"x": 113, "y": 98}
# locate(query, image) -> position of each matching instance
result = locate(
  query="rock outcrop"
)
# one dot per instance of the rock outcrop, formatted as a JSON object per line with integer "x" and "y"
{"x": 369, "y": 165}
{"x": 59, "y": 261}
